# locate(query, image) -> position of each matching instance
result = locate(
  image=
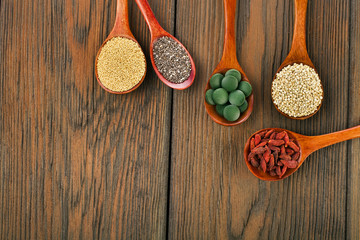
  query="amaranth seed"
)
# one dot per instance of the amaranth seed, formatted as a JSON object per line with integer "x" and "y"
{"x": 121, "y": 64}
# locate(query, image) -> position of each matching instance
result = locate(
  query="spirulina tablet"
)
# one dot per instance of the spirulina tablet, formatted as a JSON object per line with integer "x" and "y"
{"x": 237, "y": 98}
{"x": 231, "y": 113}
{"x": 235, "y": 73}
{"x": 220, "y": 109}
{"x": 229, "y": 83}
{"x": 208, "y": 97}
{"x": 244, "y": 106}
{"x": 215, "y": 80}
{"x": 245, "y": 87}
{"x": 220, "y": 96}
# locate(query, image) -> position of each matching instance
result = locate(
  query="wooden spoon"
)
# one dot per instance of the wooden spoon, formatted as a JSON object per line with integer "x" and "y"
{"x": 298, "y": 53}
{"x": 121, "y": 29}
{"x": 157, "y": 32}
{"x": 229, "y": 61}
{"x": 308, "y": 145}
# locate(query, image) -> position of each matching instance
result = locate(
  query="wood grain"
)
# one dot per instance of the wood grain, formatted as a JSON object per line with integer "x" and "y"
{"x": 212, "y": 194}
{"x": 353, "y": 188}
{"x": 77, "y": 162}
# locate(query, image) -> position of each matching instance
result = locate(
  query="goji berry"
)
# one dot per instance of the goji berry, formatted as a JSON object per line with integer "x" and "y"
{"x": 254, "y": 163}
{"x": 258, "y": 150}
{"x": 273, "y": 148}
{"x": 285, "y": 157}
{"x": 263, "y": 165}
{"x": 294, "y": 147}
{"x": 283, "y": 171}
{"x": 257, "y": 139}
{"x": 276, "y": 142}
{"x": 252, "y": 144}
{"x": 289, "y": 151}
{"x": 267, "y": 135}
{"x": 290, "y": 164}
{"x": 272, "y": 173}
{"x": 296, "y": 156}
{"x": 280, "y": 136}
{"x": 273, "y": 135}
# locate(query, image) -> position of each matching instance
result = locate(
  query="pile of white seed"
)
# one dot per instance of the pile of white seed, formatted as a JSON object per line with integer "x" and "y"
{"x": 297, "y": 91}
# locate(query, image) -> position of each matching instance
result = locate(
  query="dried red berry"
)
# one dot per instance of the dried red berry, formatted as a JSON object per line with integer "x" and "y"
{"x": 283, "y": 171}
{"x": 276, "y": 142}
{"x": 257, "y": 139}
{"x": 286, "y": 139}
{"x": 258, "y": 150}
{"x": 254, "y": 163}
{"x": 273, "y": 135}
{"x": 272, "y": 161}
{"x": 252, "y": 144}
{"x": 285, "y": 157}
{"x": 282, "y": 150}
{"x": 280, "y": 136}
{"x": 263, "y": 164}
{"x": 273, "y": 148}
{"x": 290, "y": 164}
{"x": 267, "y": 135}
{"x": 272, "y": 173}
{"x": 261, "y": 144}
{"x": 293, "y": 146}
{"x": 267, "y": 154}
{"x": 262, "y": 134}
{"x": 289, "y": 151}
{"x": 296, "y": 156}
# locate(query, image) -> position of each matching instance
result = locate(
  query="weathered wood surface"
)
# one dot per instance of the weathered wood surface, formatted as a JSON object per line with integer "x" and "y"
{"x": 212, "y": 194}
{"x": 77, "y": 162}
{"x": 353, "y": 151}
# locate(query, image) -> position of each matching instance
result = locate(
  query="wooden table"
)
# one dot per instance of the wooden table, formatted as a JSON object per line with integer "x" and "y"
{"x": 77, "y": 162}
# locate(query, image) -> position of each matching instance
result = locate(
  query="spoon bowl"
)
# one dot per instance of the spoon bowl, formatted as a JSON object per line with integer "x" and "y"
{"x": 227, "y": 62}
{"x": 121, "y": 29}
{"x": 179, "y": 86}
{"x": 157, "y": 32}
{"x": 307, "y": 144}
{"x": 211, "y": 110}
{"x": 298, "y": 53}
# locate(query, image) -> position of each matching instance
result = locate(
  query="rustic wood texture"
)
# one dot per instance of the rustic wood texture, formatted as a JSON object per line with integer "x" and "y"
{"x": 79, "y": 163}
{"x": 212, "y": 194}
{"x": 353, "y": 188}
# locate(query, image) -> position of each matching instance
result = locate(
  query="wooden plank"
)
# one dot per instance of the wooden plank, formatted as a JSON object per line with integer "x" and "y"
{"x": 353, "y": 193}
{"x": 212, "y": 194}
{"x": 77, "y": 162}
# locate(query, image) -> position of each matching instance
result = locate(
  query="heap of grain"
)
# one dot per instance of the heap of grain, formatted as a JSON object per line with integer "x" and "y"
{"x": 297, "y": 90}
{"x": 121, "y": 64}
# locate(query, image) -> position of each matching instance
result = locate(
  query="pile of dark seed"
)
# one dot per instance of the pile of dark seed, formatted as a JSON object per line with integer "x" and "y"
{"x": 171, "y": 60}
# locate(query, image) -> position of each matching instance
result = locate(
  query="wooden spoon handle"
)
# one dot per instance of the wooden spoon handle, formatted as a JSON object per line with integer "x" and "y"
{"x": 229, "y": 58}
{"x": 317, "y": 142}
{"x": 155, "y": 29}
{"x": 299, "y": 38}
{"x": 121, "y": 26}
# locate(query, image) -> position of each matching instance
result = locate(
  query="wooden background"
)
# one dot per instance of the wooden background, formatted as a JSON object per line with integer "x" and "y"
{"x": 79, "y": 163}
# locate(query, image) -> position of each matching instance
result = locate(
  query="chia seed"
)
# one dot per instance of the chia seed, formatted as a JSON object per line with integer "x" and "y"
{"x": 171, "y": 60}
